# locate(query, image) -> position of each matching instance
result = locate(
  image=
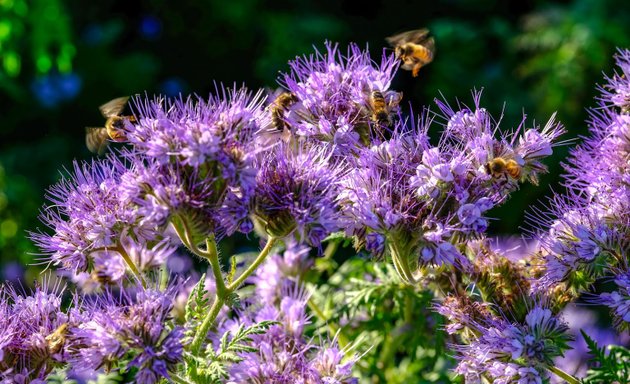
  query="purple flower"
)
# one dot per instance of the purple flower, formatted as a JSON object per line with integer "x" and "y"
{"x": 508, "y": 351}
{"x": 619, "y": 300}
{"x": 584, "y": 233}
{"x": 33, "y": 331}
{"x": 136, "y": 325}
{"x": 333, "y": 92}
{"x": 296, "y": 193}
{"x": 280, "y": 273}
{"x": 283, "y": 355}
{"x": 93, "y": 215}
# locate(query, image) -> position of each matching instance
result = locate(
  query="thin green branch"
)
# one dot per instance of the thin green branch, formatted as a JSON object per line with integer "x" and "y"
{"x": 121, "y": 250}
{"x": 261, "y": 257}
{"x": 562, "y": 374}
{"x": 202, "y": 331}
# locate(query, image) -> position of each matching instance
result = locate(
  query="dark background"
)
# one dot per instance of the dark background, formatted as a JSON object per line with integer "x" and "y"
{"x": 61, "y": 59}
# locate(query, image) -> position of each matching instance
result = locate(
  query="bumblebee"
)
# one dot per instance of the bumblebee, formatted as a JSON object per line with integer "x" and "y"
{"x": 500, "y": 167}
{"x": 96, "y": 138}
{"x": 414, "y": 48}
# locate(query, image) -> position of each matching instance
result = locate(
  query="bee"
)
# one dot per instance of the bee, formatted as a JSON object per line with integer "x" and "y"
{"x": 96, "y": 137}
{"x": 57, "y": 339}
{"x": 278, "y": 108}
{"x": 414, "y": 48}
{"x": 499, "y": 167}
{"x": 382, "y": 106}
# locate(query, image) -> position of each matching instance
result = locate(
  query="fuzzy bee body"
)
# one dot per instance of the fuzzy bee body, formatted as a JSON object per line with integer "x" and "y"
{"x": 96, "y": 138}
{"x": 500, "y": 167}
{"x": 414, "y": 48}
{"x": 57, "y": 339}
{"x": 382, "y": 106}
{"x": 278, "y": 108}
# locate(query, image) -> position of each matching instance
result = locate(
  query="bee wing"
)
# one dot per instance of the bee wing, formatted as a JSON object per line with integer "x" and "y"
{"x": 113, "y": 107}
{"x": 430, "y": 45}
{"x": 415, "y": 36}
{"x": 394, "y": 98}
{"x": 96, "y": 139}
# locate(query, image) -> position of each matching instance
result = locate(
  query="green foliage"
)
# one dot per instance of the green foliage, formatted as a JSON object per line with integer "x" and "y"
{"x": 610, "y": 364}
{"x": 196, "y": 306}
{"x": 212, "y": 368}
{"x": 389, "y": 323}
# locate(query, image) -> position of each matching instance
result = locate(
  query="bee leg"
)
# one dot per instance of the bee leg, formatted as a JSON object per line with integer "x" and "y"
{"x": 416, "y": 69}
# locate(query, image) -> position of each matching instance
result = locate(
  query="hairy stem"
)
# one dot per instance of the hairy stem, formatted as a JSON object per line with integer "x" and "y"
{"x": 562, "y": 374}
{"x": 401, "y": 263}
{"x": 261, "y": 257}
{"x": 223, "y": 293}
{"x": 202, "y": 331}
{"x": 131, "y": 265}
{"x": 212, "y": 255}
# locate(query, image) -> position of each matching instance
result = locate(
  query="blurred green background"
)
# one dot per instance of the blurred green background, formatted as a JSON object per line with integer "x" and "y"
{"x": 61, "y": 59}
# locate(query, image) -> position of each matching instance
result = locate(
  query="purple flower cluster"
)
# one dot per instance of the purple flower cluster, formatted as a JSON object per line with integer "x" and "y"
{"x": 32, "y": 331}
{"x": 333, "y": 93}
{"x": 283, "y": 355}
{"x": 585, "y": 234}
{"x": 505, "y": 351}
{"x": 349, "y": 163}
{"x": 95, "y": 222}
{"x": 109, "y": 331}
{"x": 418, "y": 201}
{"x": 132, "y": 328}
{"x": 297, "y": 191}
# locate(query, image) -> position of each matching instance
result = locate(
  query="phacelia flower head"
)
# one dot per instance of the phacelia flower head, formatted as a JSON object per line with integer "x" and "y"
{"x": 212, "y": 143}
{"x": 34, "y": 328}
{"x": 420, "y": 197}
{"x": 296, "y": 193}
{"x": 585, "y": 232}
{"x": 334, "y": 94}
{"x": 96, "y": 223}
{"x": 283, "y": 355}
{"x": 508, "y": 352}
{"x": 134, "y": 325}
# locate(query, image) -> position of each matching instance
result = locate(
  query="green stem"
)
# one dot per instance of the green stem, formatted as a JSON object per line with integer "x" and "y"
{"x": 562, "y": 374}
{"x": 131, "y": 265}
{"x": 261, "y": 257}
{"x": 224, "y": 292}
{"x": 331, "y": 248}
{"x": 212, "y": 255}
{"x": 202, "y": 331}
{"x": 334, "y": 330}
{"x": 401, "y": 263}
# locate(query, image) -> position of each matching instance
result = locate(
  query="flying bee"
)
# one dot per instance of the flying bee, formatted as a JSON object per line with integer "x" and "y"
{"x": 499, "y": 167}
{"x": 278, "y": 108}
{"x": 382, "y": 106}
{"x": 414, "y": 48}
{"x": 57, "y": 339}
{"x": 96, "y": 137}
